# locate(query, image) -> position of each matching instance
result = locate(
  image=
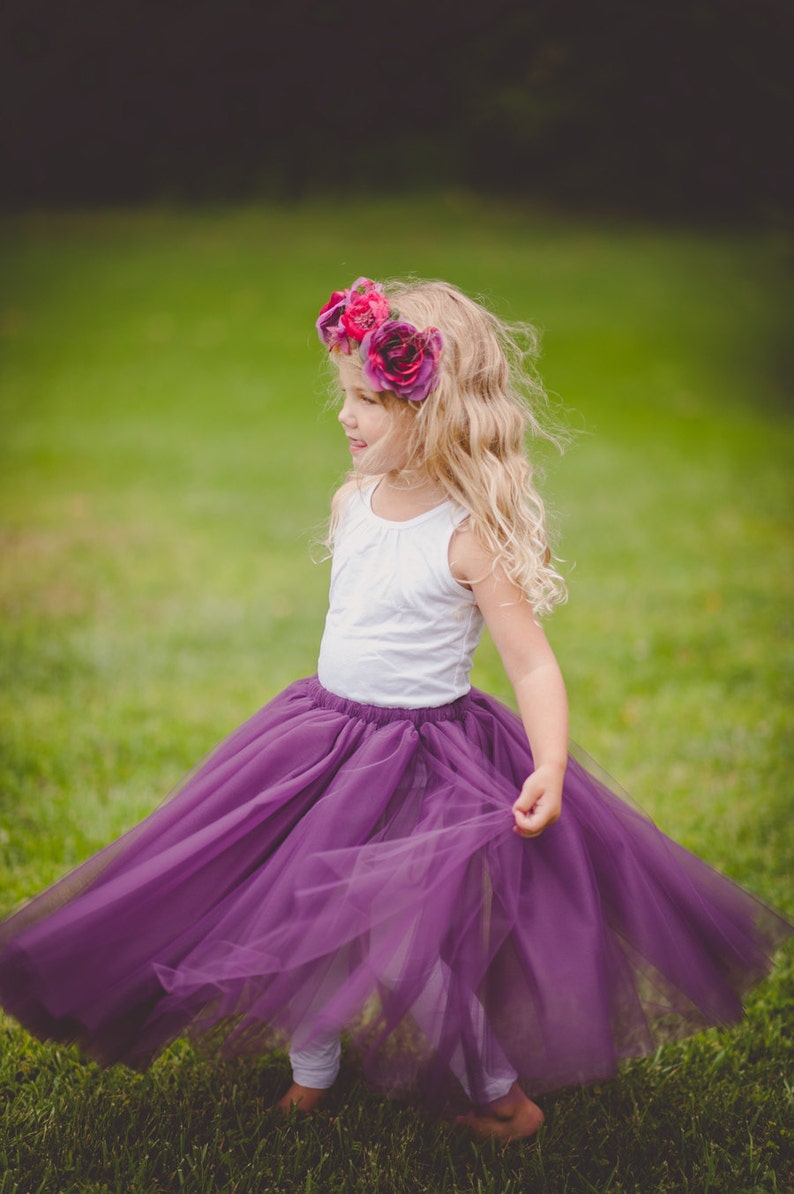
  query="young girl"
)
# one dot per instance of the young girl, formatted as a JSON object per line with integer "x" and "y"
{"x": 383, "y": 851}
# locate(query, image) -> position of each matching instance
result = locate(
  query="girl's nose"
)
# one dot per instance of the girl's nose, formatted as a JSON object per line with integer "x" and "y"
{"x": 345, "y": 416}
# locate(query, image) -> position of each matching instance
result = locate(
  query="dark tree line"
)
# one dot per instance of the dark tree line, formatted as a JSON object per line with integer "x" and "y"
{"x": 678, "y": 107}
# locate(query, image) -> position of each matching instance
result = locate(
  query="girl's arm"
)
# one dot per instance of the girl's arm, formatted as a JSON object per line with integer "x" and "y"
{"x": 533, "y": 671}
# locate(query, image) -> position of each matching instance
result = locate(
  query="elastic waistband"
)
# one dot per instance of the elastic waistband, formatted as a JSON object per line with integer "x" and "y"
{"x": 384, "y": 714}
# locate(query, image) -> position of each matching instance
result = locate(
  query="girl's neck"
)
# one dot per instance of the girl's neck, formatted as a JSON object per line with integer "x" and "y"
{"x": 399, "y": 496}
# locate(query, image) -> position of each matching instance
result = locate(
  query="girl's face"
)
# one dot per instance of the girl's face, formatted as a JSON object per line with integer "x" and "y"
{"x": 377, "y": 433}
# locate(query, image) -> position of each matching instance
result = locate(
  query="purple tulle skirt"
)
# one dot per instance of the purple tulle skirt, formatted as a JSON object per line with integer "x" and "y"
{"x": 336, "y": 867}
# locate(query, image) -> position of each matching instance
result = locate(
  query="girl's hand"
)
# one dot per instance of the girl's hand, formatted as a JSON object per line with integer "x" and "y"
{"x": 540, "y": 802}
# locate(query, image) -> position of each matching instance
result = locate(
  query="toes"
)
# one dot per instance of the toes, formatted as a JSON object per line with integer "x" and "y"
{"x": 524, "y": 1123}
{"x": 302, "y": 1099}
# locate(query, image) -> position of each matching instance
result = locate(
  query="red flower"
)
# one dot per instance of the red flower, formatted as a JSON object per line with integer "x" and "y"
{"x": 367, "y": 308}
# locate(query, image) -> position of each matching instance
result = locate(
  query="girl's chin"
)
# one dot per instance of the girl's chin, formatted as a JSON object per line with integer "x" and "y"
{"x": 365, "y": 464}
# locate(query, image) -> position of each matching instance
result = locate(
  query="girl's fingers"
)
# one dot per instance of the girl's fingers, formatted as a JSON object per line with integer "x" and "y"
{"x": 525, "y": 822}
{"x": 532, "y": 822}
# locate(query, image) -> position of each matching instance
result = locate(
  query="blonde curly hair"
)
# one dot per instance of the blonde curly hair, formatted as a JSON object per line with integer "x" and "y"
{"x": 469, "y": 435}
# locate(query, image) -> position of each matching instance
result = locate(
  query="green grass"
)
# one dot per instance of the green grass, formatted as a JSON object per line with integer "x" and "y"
{"x": 165, "y": 465}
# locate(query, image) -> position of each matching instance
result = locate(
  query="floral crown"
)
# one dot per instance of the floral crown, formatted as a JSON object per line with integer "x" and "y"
{"x": 396, "y": 355}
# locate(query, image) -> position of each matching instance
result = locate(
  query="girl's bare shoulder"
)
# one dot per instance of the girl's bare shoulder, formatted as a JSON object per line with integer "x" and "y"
{"x": 469, "y": 560}
{"x": 340, "y": 498}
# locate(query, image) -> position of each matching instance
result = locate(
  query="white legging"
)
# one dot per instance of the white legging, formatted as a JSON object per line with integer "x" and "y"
{"x": 317, "y": 1065}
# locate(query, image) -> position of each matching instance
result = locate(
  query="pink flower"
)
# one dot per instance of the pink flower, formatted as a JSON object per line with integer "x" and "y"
{"x": 367, "y": 307}
{"x": 329, "y": 326}
{"x": 399, "y": 358}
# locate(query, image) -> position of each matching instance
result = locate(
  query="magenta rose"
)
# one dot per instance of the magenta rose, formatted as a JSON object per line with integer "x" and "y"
{"x": 399, "y": 358}
{"x": 329, "y": 324}
{"x": 367, "y": 307}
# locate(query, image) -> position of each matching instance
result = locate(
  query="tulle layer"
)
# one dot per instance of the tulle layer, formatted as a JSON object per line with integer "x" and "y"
{"x": 338, "y": 867}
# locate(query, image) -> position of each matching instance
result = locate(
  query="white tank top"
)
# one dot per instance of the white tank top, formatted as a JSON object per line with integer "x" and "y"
{"x": 400, "y": 630}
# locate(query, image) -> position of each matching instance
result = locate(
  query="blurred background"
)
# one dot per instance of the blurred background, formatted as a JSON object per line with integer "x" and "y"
{"x": 676, "y": 108}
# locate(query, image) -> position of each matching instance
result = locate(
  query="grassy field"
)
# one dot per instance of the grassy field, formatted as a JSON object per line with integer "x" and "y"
{"x": 165, "y": 466}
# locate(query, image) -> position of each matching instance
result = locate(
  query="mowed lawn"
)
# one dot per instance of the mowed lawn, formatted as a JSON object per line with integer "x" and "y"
{"x": 166, "y": 459}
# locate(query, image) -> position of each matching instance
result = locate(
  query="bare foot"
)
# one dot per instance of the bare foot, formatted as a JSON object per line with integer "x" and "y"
{"x": 300, "y": 1098}
{"x": 513, "y": 1117}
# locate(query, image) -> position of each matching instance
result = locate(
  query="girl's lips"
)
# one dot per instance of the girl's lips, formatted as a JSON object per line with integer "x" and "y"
{"x": 356, "y": 444}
